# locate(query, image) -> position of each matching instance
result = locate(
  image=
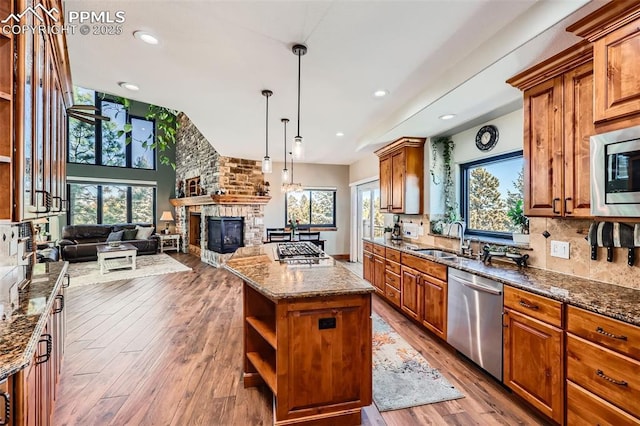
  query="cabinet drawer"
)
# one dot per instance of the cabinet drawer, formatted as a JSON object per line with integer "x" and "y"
{"x": 613, "y": 377}
{"x": 393, "y": 280}
{"x": 538, "y": 307}
{"x": 393, "y": 267}
{"x": 393, "y": 255}
{"x": 367, "y": 246}
{"x": 425, "y": 266}
{"x": 393, "y": 295}
{"x": 611, "y": 333}
{"x": 585, "y": 408}
{"x": 379, "y": 250}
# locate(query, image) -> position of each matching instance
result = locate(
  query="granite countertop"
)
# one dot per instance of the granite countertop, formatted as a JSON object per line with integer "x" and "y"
{"x": 257, "y": 267}
{"x": 607, "y": 299}
{"x": 21, "y": 330}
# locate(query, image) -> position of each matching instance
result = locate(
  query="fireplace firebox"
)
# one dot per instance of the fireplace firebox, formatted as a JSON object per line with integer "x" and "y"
{"x": 225, "y": 234}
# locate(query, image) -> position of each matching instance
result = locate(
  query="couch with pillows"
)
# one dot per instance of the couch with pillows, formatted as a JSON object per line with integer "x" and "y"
{"x": 79, "y": 242}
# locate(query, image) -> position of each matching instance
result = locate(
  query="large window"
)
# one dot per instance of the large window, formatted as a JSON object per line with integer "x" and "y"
{"x": 111, "y": 203}
{"x": 489, "y": 188}
{"x": 311, "y": 207}
{"x": 123, "y": 141}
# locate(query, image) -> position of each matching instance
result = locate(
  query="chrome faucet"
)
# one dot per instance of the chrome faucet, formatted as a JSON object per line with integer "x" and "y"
{"x": 462, "y": 227}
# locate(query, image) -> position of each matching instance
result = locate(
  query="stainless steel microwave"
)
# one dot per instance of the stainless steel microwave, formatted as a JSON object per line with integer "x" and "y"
{"x": 615, "y": 173}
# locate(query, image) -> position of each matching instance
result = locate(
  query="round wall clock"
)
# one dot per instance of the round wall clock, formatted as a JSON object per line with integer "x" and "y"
{"x": 487, "y": 137}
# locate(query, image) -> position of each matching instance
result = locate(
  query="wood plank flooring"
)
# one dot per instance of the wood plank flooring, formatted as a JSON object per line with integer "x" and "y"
{"x": 166, "y": 350}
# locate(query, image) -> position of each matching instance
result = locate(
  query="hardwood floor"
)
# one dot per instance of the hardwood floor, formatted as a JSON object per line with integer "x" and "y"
{"x": 166, "y": 350}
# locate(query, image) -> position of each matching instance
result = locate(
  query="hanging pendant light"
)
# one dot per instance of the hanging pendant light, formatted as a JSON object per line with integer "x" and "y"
{"x": 293, "y": 186}
{"x": 267, "y": 166}
{"x": 285, "y": 171}
{"x": 298, "y": 149}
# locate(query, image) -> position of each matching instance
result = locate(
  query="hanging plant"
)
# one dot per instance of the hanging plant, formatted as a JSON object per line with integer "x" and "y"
{"x": 445, "y": 145}
{"x": 167, "y": 125}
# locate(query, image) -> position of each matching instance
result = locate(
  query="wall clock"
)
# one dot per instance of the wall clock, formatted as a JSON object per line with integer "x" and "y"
{"x": 487, "y": 137}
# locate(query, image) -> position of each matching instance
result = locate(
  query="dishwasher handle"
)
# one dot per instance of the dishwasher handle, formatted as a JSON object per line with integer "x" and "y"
{"x": 478, "y": 286}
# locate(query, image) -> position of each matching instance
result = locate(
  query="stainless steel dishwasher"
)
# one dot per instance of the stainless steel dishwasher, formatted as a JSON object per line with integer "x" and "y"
{"x": 474, "y": 319}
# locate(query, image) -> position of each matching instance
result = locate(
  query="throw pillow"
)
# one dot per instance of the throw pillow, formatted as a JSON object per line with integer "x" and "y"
{"x": 144, "y": 232}
{"x": 129, "y": 234}
{"x": 115, "y": 236}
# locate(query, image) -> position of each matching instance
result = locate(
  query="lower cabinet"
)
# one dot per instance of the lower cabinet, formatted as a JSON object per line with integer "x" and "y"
{"x": 533, "y": 353}
{"x": 411, "y": 293}
{"x": 378, "y": 273}
{"x": 367, "y": 264}
{"x": 434, "y": 315}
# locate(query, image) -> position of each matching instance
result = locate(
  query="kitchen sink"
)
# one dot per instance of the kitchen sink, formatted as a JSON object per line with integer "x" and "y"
{"x": 439, "y": 254}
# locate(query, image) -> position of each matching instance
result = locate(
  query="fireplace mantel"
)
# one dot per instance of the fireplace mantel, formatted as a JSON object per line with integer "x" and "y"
{"x": 227, "y": 199}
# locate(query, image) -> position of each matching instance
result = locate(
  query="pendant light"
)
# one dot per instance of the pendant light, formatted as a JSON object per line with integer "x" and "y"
{"x": 285, "y": 171}
{"x": 267, "y": 166}
{"x": 293, "y": 186}
{"x": 298, "y": 150}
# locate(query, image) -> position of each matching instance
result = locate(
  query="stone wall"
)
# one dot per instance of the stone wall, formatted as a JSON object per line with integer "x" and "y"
{"x": 195, "y": 156}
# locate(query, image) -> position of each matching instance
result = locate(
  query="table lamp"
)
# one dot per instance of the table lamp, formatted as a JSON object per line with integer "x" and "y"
{"x": 166, "y": 217}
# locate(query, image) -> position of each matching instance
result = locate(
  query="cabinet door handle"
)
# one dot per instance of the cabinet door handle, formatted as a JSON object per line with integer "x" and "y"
{"x": 44, "y": 358}
{"x": 60, "y": 297}
{"x": 601, "y": 374}
{"x": 7, "y": 408}
{"x": 68, "y": 281}
{"x": 566, "y": 209}
{"x": 527, "y": 305}
{"x": 553, "y": 205}
{"x": 60, "y": 200}
{"x": 601, "y": 330}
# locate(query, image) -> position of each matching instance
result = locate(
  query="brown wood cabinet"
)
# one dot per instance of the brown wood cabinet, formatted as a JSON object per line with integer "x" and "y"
{"x": 34, "y": 96}
{"x": 378, "y": 273}
{"x": 558, "y": 121}
{"x": 603, "y": 368}
{"x": 313, "y": 353}
{"x": 401, "y": 176}
{"x": 367, "y": 264}
{"x": 533, "y": 354}
{"x": 434, "y": 311}
{"x": 411, "y": 293}
{"x": 614, "y": 30}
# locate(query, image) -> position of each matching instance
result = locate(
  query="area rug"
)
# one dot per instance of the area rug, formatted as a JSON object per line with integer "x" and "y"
{"x": 402, "y": 378}
{"x": 85, "y": 273}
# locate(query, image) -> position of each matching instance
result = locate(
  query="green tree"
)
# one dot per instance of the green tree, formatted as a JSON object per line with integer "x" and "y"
{"x": 114, "y": 204}
{"x": 518, "y": 191}
{"x": 82, "y": 137}
{"x": 141, "y": 204}
{"x": 84, "y": 204}
{"x": 487, "y": 209}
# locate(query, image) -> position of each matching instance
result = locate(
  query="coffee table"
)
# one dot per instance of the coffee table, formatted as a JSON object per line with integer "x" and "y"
{"x": 110, "y": 258}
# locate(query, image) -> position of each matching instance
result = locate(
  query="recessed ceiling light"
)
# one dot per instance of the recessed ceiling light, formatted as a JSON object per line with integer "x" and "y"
{"x": 447, "y": 116}
{"x": 129, "y": 86}
{"x": 146, "y": 37}
{"x": 380, "y": 93}
{"x": 339, "y": 134}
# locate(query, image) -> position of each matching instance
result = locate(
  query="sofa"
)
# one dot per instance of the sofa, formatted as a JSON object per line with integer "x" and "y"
{"x": 79, "y": 242}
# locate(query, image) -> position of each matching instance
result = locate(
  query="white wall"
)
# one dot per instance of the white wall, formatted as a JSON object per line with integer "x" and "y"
{"x": 365, "y": 168}
{"x": 316, "y": 176}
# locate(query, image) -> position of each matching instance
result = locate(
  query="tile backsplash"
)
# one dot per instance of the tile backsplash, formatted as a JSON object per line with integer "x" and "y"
{"x": 572, "y": 231}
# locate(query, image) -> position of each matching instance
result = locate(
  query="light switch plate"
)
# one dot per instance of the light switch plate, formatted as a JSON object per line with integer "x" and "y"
{"x": 560, "y": 249}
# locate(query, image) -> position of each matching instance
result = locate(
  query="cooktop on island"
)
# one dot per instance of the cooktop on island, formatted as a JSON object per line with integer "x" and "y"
{"x": 301, "y": 253}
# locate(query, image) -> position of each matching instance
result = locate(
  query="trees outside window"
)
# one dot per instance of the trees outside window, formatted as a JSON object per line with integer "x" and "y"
{"x": 311, "y": 207}
{"x": 82, "y": 136}
{"x": 489, "y": 188}
{"x": 109, "y": 204}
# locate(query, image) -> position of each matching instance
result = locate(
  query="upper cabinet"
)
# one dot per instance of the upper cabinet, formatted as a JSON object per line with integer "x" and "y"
{"x": 615, "y": 32}
{"x": 35, "y": 91}
{"x": 558, "y": 121}
{"x": 401, "y": 176}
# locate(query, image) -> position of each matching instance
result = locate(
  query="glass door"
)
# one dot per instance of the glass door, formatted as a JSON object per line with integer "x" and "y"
{"x": 370, "y": 220}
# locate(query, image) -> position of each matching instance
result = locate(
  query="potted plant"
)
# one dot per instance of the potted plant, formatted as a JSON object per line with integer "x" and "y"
{"x": 521, "y": 223}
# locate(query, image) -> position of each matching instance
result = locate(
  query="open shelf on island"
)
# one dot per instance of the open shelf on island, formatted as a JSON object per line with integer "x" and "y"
{"x": 265, "y": 328}
{"x": 265, "y": 366}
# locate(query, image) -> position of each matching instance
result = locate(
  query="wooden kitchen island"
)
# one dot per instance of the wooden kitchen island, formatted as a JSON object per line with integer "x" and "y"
{"x": 307, "y": 336}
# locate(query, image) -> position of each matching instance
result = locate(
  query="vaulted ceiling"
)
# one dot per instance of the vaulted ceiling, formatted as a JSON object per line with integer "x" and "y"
{"x": 214, "y": 58}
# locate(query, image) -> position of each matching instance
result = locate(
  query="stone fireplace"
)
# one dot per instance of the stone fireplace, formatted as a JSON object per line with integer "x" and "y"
{"x": 226, "y": 234}
{"x": 229, "y": 188}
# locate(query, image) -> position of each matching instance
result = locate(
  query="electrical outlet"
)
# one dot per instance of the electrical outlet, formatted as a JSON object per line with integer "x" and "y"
{"x": 421, "y": 230}
{"x": 560, "y": 249}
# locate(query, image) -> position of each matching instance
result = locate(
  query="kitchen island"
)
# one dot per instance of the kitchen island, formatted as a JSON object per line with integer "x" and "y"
{"x": 307, "y": 336}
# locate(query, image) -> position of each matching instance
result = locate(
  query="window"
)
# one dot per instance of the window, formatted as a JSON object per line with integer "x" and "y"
{"x": 123, "y": 141}
{"x": 111, "y": 203}
{"x": 311, "y": 207}
{"x": 489, "y": 188}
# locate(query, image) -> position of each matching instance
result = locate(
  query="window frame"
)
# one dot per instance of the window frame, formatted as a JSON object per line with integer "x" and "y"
{"x": 99, "y": 97}
{"x": 464, "y": 193}
{"x": 100, "y": 199}
{"x": 311, "y": 225}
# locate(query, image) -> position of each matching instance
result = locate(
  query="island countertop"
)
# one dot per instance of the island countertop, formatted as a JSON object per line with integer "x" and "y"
{"x": 259, "y": 269}
{"x": 611, "y": 300}
{"x": 20, "y": 331}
